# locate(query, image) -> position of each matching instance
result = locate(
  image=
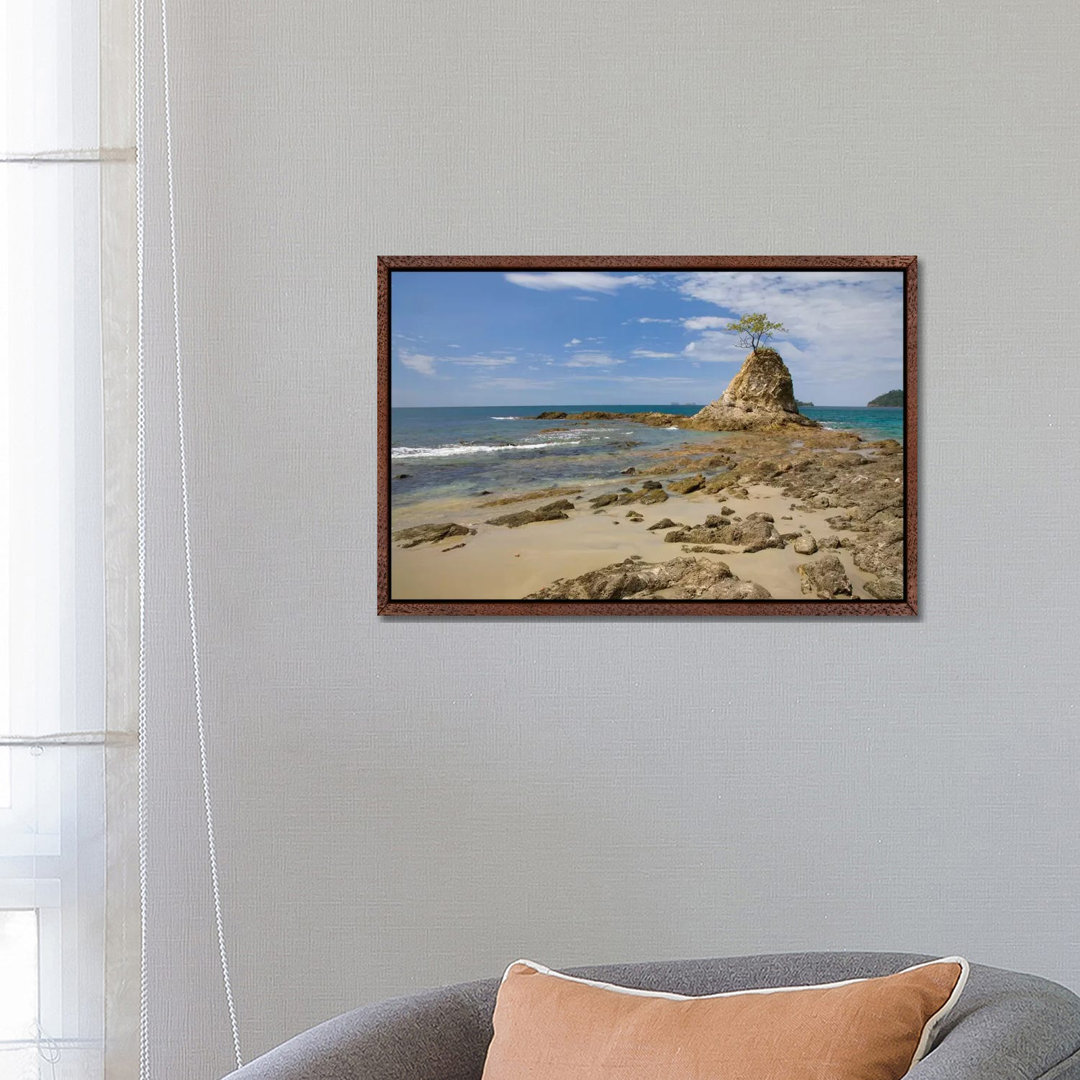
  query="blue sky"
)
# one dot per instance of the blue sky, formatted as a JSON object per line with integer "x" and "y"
{"x": 636, "y": 338}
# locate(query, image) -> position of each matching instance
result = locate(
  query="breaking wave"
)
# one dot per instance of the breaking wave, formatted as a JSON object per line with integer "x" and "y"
{"x": 459, "y": 451}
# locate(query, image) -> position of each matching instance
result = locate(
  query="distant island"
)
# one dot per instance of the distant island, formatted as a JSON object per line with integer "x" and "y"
{"x": 804, "y": 404}
{"x": 894, "y": 399}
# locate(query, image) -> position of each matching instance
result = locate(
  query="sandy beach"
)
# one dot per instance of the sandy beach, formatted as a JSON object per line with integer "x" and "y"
{"x": 838, "y": 495}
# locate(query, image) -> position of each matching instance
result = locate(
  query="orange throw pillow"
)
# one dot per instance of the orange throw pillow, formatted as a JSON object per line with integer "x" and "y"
{"x": 550, "y": 1026}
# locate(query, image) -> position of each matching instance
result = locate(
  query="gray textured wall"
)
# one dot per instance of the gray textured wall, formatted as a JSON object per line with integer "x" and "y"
{"x": 408, "y": 803}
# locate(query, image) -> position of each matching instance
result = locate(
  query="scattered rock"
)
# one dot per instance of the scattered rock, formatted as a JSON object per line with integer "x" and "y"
{"x": 654, "y": 495}
{"x": 633, "y": 515}
{"x": 728, "y": 510}
{"x": 682, "y": 578}
{"x": 603, "y": 500}
{"x": 885, "y": 446}
{"x": 431, "y": 533}
{"x": 528, "y": 496}
{"x": 403, "y": 476}
{"x": 550, "y": 416}
{"x": 825, "y": 578}
{"x": 756, "y": 533}
{"x": 805, "y": 545}
{"x": 830, "y": 542}
{"x": 454, "y": 548}
{"x": 630, "y": 472}
{"x": 651, "y": 485}
{"x": 685, "y": 487}
{"x": 664, "y": 523}
{"x": 887, "y": 588}
{"x": 527, "y": 517}
{"x": 560, "y": 504}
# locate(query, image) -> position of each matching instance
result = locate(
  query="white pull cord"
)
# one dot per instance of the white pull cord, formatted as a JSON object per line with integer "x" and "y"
{"x": 140, "y": 455}
{"x": 140, "y": 94}
{"x": 197, "y": 679}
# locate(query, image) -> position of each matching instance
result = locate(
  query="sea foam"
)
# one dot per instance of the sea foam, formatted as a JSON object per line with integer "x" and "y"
{"x": 458, "y": 451}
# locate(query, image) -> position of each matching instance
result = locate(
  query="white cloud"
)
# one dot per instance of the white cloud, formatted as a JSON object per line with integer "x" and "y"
{"x": 586, "y": 299}
{"x": 714, "y": 346}
{"x": 547, "y": 281}
{"x": 840, "y": 325}
{"x": 427, "y": 365}
{"x": 572, "y": 341}
{"x": 592, "y": 359}
{"x": 418, "y": 362}
{"x": 649, "y": 354}
{"x": 705, "y": 322}
{"x": 648, "y": 319}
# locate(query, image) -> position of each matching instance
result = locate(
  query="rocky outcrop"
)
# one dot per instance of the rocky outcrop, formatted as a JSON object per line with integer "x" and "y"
{"x": 528, "y": 496}
{"x": 652, "y": 419}
{"x": 825, "y": 579}
{"x": 431, "y": 533}
{"x": 552, "y": 512}
{"x": 683, "y": 578}
{"x": 756, "y": 533}
{"x": 685, "y": 487}
{"x": 760, "y": 398}
{"x": 652, "y": 491}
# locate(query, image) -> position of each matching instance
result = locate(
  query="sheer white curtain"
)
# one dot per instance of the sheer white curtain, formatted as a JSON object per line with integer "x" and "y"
{"x": 57, "y": 205}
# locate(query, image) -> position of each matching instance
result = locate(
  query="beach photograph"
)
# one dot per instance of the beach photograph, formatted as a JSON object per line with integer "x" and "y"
{"x": 563, "y": 439}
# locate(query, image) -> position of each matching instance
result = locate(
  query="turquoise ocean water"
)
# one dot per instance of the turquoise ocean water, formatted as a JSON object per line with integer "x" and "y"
{"x": 499, "y": 448}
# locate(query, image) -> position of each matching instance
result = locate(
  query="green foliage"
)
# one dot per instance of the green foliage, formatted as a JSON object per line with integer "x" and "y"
{"x": 891, "y": 399}
{"x": 754, "y": 329}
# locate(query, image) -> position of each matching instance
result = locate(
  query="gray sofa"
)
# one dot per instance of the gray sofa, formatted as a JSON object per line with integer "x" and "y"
{"x": 1006, "y": 1026}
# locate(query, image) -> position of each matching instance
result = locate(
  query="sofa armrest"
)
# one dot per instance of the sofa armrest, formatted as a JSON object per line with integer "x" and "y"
{"x": 441, "y": 1034}
{"x": 1007, "y": 1026}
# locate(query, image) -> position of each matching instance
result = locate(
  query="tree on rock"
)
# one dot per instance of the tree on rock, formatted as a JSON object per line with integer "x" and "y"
{"x": 754, "y": 330}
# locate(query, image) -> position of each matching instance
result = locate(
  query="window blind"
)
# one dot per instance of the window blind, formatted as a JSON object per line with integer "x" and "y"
{"x": 62, "y": 245}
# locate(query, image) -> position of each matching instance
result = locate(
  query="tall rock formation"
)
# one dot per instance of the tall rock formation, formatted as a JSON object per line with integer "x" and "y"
{"x": 760, "y": 397}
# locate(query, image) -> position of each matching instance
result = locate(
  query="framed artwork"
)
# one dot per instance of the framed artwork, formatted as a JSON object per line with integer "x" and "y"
{"x": 647, "y": 436}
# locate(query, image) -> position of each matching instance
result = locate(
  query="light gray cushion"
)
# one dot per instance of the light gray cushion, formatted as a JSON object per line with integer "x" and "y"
{"x": 1006, "y": 1026}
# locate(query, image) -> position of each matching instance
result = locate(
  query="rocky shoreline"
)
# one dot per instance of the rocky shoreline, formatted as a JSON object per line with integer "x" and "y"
{"x": 852, "y": 489}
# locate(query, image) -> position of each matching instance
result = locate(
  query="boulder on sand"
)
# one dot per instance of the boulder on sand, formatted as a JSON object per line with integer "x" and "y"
{"x": 825, "y": 579}
{"x": 431, "y": 533}
{"x": 756, "y": 533}
{"x": 527, "y": 517}
{"x": 683, "y": 578}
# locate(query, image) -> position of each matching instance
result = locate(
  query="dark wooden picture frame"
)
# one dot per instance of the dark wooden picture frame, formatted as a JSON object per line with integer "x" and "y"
{"x": 900, "y": 593}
